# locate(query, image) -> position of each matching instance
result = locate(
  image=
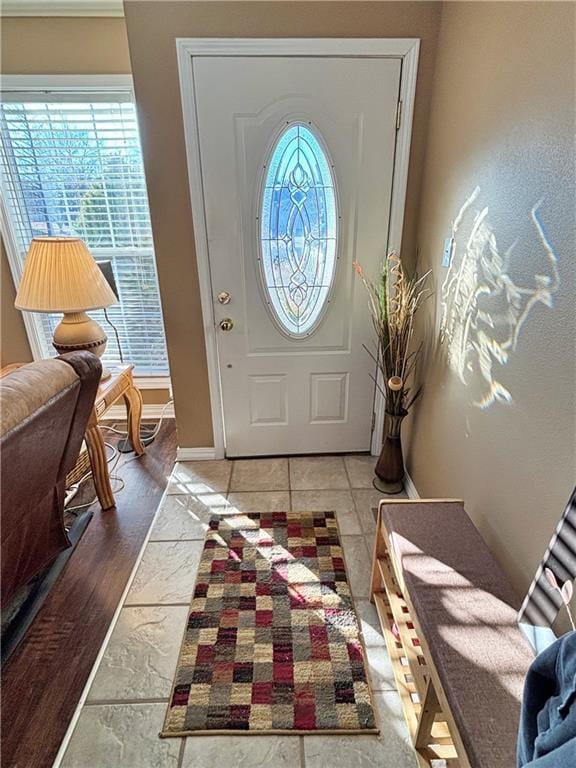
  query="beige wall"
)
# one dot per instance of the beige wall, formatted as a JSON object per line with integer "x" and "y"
{"x": 14, "y": 347}
{"x": 63, "y": 46}
{"x": 503, "y": 119}
{"x": 152, "y": 29}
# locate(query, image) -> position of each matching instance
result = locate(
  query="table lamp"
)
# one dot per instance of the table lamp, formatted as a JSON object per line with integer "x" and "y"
{"x": 60, "y": 275}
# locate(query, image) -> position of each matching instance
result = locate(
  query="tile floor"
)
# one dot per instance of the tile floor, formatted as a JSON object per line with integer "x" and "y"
{"x": 119, "y": 723}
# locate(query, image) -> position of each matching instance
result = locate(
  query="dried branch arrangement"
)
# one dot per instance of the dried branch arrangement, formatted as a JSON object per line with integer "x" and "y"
{"x": 393, "y": 301}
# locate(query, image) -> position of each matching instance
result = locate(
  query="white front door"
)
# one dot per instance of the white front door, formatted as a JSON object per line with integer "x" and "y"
{"x": 297, "y": 158}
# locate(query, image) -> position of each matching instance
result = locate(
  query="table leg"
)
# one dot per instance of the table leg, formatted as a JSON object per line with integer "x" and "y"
{"x": 133, "y": 400}
{"x": 99, "y": 463}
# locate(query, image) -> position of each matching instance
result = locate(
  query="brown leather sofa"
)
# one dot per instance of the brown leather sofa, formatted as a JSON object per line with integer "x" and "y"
{"x": 44, "y": 410}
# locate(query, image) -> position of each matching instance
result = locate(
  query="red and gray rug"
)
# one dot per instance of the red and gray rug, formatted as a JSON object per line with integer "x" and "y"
{"x": 272, "y": 643}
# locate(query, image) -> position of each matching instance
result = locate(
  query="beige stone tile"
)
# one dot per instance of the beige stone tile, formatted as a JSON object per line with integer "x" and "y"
{"x": 318, "y": 473}
{"x": 244, "y": 751}
{"x": 259, "y": 501}
{"x": 340, "y": 502}
{"x": 140, "y": 659}
{"x": 366, "y": 502}
{"x": 369, "y": 623}
{"x": 121, "y": 736}
{"x": 167, "y": 573}
{"x": 186, "y": 516}
{"x": 259, "y": 475}
{"x": 380, "y": 668}
{"x": 360, "y": 470}
{"x": 391, "y": 749}
{"x": 200, "y": 477}
{"x": 358, "y": 565}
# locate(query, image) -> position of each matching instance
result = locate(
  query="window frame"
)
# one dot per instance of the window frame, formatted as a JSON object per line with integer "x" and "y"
{"x": 62, "y": 83}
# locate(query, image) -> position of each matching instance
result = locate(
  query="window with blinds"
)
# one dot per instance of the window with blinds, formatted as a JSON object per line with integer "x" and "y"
{"x": 72, "y": 166}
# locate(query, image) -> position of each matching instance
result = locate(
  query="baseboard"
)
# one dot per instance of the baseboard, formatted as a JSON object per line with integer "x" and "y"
{"x": 209, "y": 454}
{"x": 149, "y": 411}
{"x": 409, "y": 487}
{"x": 195, "y": 454}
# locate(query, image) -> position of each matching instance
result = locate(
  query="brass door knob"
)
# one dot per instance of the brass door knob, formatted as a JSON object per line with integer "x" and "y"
{"x": 226, "y": 324}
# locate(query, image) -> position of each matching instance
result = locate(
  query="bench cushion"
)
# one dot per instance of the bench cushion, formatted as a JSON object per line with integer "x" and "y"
{"x": 466, "y": 610}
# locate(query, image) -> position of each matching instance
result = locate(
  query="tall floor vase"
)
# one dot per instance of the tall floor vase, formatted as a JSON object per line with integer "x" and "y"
{"x": 390, "y": 465}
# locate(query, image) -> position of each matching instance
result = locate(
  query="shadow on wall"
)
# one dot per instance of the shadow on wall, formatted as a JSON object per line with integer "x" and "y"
{"x": 483, "y": 309}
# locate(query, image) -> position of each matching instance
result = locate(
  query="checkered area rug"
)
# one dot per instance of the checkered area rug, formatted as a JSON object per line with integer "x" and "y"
{"x": 272, "y": 643}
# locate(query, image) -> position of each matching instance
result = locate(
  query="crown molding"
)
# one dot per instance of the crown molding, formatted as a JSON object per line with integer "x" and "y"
{"x": 62, "y": 8}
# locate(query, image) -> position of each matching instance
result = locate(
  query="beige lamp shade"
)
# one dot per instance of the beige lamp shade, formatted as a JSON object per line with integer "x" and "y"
{"x": 60, "y": 275}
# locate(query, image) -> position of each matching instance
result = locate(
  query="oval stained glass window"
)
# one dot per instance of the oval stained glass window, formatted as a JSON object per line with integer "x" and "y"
{"x": 298, "y": 230}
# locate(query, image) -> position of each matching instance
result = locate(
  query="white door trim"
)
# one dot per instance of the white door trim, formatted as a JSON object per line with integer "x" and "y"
{"x": 406, "y": 49}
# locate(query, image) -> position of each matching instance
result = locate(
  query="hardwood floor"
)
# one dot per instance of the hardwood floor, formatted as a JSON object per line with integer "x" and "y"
{"x": 46, "y": 674}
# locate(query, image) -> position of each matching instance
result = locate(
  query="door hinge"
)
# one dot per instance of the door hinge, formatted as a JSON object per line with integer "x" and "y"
{"x": 398, "y": 114}
{"x": 373, "y": 421}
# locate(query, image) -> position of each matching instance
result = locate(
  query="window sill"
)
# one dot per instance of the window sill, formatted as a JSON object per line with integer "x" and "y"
{"x": 152, "y": 382}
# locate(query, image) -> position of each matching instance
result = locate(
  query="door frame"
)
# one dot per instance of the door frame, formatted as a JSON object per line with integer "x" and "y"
{"x": 189, "y": 48}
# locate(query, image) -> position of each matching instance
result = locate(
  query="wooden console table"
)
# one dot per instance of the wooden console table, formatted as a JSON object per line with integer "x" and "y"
{"x": 119, "y": 385}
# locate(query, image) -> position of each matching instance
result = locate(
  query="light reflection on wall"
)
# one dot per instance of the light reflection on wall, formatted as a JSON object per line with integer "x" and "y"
{"x": 483, "y": 309}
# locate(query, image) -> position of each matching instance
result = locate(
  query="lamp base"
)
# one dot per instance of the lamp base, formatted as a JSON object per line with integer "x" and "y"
{"x": 77, "y": 332}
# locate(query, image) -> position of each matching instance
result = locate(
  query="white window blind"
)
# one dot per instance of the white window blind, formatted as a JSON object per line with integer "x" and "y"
{"x": 72, "y": 166}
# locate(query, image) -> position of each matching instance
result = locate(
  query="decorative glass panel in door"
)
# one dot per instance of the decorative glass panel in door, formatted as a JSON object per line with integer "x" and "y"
{"x": 298, "y": 231}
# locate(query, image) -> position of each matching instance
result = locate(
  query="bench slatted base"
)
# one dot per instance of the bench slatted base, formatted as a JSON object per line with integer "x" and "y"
{"x": 427, "y": 725}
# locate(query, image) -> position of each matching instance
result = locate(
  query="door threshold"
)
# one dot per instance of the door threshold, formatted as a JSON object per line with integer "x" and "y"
{"x": 309, "y": 454}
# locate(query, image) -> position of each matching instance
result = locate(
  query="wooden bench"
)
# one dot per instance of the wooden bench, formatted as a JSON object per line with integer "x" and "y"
{"x": 448, "y": 616}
